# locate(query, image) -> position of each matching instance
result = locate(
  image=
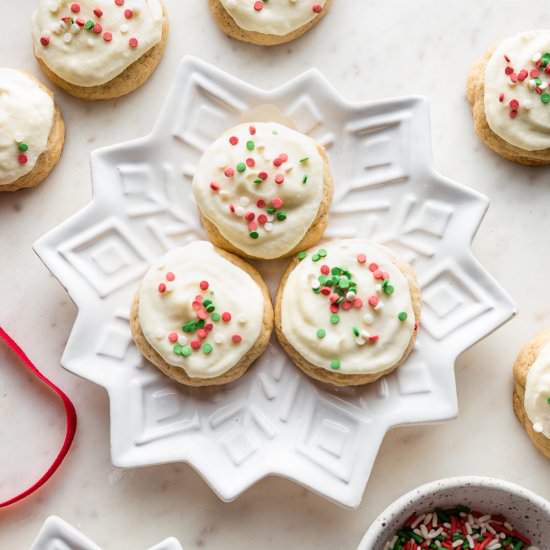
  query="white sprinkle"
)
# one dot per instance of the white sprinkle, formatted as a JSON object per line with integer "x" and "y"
{"x": 268, "y": 227}
{"x": 244, "y": 201}
{"x": 289, "y": 167}
{"x": 75, "y": 28}
{"x": 91, "y": 42}
{"x": 218, "y": 338}
{"x": 537, "y": 427}
{"x": 532, "y": 83}
{"x": 470, "y": 541}
{"x": 19, "y": 137}
{"x": 368, "y": 318}
{"x": 379, "y": 306}
{"x": 182, "y": 339}
{"x": 67, "y": 37}
{"x": 458, "y": 543}
{"x": 360, "y": 341}
{"x": 239, "y": 211}
{"x": 243, "y": 320}
{"x": 315, "y": 285}
{"x": 124, "y": 29}
{"x": 53, "y": 6}
{"x": 537, "y": 57}
{"x": 224, "y": 194}
{"x": 350, "y": 295}
{"x": 528, "y": 105}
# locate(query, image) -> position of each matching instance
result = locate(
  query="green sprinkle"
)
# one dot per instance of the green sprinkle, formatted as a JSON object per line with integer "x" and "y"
{"x": 305, "y": 179}
{"x": 545, "y": 98}
{"x": 402, "y": 316}
{"x": 343, "y": 282}
{"x": 335, "y": 364}
{"x": 271, "y": 210}
{"x": 305, "y": 159}
{"x": 200, "y": 323}
{"x": 206, "y": 302}
{"x": 355, "y": 331}
{"x": 334, "y": 319}
{"x": 321, "y": 333}
{"x": 241, "y": 167}
{"x": 389, "y": 290}
{"x": 177, "y": 349}
{"x": 250, "y": 145}
{"x": 215, "y": 317}
{"x": 23, "y": 147}
{"x": 315, "y": 258}
{"x": 538, "y": 81}
{"x": 336, "y": 271}
{"x": 186, "y": 351}
{"x": 301, "y": 255}
{"x": 207, "y": 348}
{"x": 191, "y": 326}
{"x": 253, "y": 234}
{"x": 322, "y": 252}
{"x": 89, "y": 25}
{"x": 548, "y": 400}
{"x": 258, "y": 180}
{"x": 211, "y": 308}
{"x": 281, "y": 216}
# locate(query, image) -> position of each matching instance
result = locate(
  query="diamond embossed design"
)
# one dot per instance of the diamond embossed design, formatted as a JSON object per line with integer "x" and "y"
{"x": 273, "y": 421}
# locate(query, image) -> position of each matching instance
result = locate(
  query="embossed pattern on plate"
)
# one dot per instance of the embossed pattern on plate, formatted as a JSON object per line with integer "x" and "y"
{"x": 274, "y": 421}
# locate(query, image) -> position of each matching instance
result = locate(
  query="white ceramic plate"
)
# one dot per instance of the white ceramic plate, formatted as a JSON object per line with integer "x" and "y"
{"x": 274, "y": 421}
{"x": 57, "y": 534}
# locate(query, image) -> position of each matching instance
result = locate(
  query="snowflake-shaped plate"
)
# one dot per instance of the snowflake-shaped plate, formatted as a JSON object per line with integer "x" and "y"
{"x": 57, "y": 534}
{"x": 273, "y": 421}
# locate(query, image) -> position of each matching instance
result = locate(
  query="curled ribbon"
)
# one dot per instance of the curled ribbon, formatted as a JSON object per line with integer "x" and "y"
{"x": 70, "y": 414}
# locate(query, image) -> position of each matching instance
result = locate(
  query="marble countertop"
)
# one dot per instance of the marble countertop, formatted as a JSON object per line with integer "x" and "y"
{"x": 369, "y": 49}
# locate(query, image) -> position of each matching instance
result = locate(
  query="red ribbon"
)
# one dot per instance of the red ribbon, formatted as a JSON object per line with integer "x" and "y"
{"x": 70, "y": 414}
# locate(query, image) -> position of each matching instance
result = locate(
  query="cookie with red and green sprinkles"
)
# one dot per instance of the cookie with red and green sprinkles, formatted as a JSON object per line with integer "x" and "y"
{"x": 509, "y": 91}
{"x": 267, "y": 22}
{"x": 348, "y": 312}
{"x": 99, "y": 49}
{"x": 202, "y": 315}
{"x": 33, "y": 132}
{"x": 263, "y": 190}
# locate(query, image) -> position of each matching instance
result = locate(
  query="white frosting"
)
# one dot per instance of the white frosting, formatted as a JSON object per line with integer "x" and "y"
{"x": 304, "y": 312}
{"x": 277, "y": 17}
{"x": 529, "y": 128}
{"x": 235, "y": 195}
{"x": 231, "y": 290}
{"x": 537, "y": 393}
{"x": 83, "y": 56}
{"x": 26, "y": 118}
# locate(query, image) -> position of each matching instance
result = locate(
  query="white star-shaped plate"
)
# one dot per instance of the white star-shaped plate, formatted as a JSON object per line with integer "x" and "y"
{"x": 57, "y": 534}
{"x": 273, "y": 421}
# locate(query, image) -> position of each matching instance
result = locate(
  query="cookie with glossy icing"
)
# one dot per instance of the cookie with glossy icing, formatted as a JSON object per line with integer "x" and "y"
{"x": 202, "y": 315}
{"x": 531, "y": 396}
{"x": 33, "y": 131}
{"x": 267, "y": 23}
{"x": 99, "y": 49}
{"x": 508, "y": 90}
{"x": 263, "y": 191}
{"x": 347, "y": 312}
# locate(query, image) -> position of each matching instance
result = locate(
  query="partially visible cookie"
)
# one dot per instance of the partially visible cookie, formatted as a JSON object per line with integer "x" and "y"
{"x": 201, "y": 315}
{"x": 99, "y": 49}
{"x": 347, "y": 313}
{"x": 532, "y": 390}
{"x": 32, "y": 131}
{"x": 267, "y": 23}
{"x": 263, "y": 191}
{"x": 508, "y": 90}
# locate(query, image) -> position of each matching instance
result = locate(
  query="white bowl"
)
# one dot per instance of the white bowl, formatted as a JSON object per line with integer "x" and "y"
{"x": 526, "y": 511}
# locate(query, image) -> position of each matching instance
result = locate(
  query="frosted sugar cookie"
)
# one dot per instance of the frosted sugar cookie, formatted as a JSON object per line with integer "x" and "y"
{"x": 267, "y": 22}
{"x": 32, "y": 131}
{"x": 201, "y": 315}
{"x": 263, "y": 191}
{"x": 509, "y": 93}
{"x": 99, "y": 49}
{"x": 532, "y": 390}
{"x": 347, "y": 313}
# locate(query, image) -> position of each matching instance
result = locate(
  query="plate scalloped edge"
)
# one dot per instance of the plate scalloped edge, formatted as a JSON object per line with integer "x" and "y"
{"x": 273, "y": 421}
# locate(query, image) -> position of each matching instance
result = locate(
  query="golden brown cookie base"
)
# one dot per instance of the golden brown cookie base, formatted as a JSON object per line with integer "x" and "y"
{"x": 476, "y": 97}
{"x": 230, "y": 27}
{"x": 48, "y": 159}
{"x": 313, "y": 234}
{"x": 525, "y": 360}
{"x": 334, "y": 377}
{"x": 128, "y": 81}
{"x": 178, "y": 374}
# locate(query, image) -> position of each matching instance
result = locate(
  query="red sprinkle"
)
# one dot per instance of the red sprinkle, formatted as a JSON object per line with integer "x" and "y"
{"x": 325, "y": 269}
{"x": 229, "y": 172}
{"x": 346, "y": 305}
{"x": 45, "y": 41}
{"x": 508, "y": 71}
{"x": 133, "y": 42}
{"x": 279, "y": 178}
{"x": 261, "y": 203}
{"x": 98, "y": 29}
{"x": 373, "y": 300}
{"x": 98, "y": 12}
{"x": 283, "y": 157}
{"x": 252, "y": 130}
{"x": 373, "y": 267}
{"x": 263, "y": 175}
{"x": 173, "y": 337}
{"x": 374, "y": 338}
{"x": 252, "y": 226}
{"x": 107, "y": 36}
{"x": 250, "y": 162}
{"x": 317, "y": 8}
{"x": 23, "y": 159}
{"x": 501, "y": 98}
{"x": 334, "y": 308}
{"x": 258, "y": 6}
{"x": 514, "y": 104}
{"x": 204, "y": 285}
{"x": 535, "y": 73}
{"x": 361, "y": 258}
{"x": 162, "y": 288}
{"x": 202, "y": 333}
{"x": 195, "y": 344}
{"x": 170, "y": 276}
{"x": 262, "y": 218}
{"x": 75, "y": 8}
{"x": 208, "y": 327}
{"x": 233, "y": 140}
{"x": 80, "y": 22}
{"x": 522, "y": 75}
{"x": 236, "y": 338}
{"x": 357, "y": 303}
{"x": 214, "y": 186}
{"x": 226, "y": 316}
{"x": 119, "y": 2}
{"x": 128, "y": 14}
{"x": 378, "y": 275}
{"x": 277, "y": 202}
{"x": 513, "y": 114}
{"x": 250, "y": 216}
{"x": 277, "y": 162}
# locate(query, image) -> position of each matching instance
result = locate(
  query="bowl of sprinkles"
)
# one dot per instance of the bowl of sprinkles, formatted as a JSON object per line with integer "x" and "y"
{"x": 463, "y": 513}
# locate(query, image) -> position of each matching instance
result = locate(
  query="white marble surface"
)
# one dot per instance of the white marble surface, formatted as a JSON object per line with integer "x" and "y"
{"x": 369, "y": 49}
